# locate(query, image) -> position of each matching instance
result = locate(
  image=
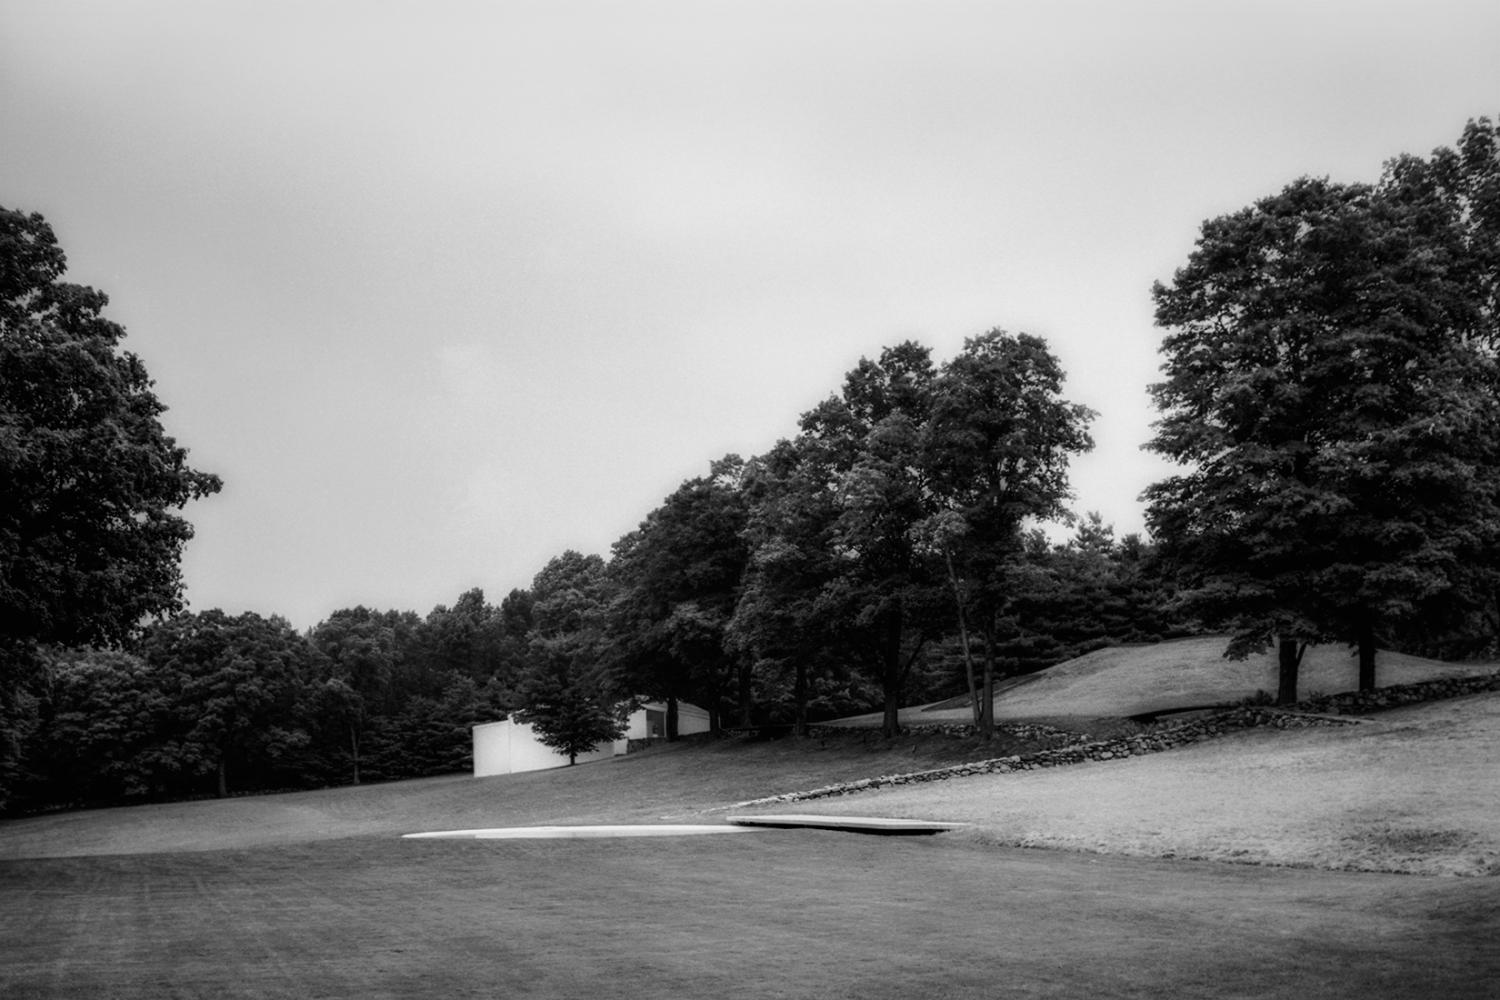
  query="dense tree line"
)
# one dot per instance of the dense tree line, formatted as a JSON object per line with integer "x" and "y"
{"x": 826, "y": 577}
{"x": 1331, "y": 389}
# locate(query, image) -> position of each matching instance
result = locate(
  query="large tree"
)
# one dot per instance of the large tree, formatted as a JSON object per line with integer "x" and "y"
{"x": 995, "y": 450}
{"x": 677, "y": 579}
{"x": 89, "y": 480}
{"x": 835, "y": 560}
{"x": 90, "y": 483}
{"x": 566, "y": 691}
{"x": 1336, "y": 415}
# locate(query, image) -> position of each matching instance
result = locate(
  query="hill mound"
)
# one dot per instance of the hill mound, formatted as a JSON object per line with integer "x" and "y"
{"x": 1121, "y": 681}
{"x": 1410, "y": 789}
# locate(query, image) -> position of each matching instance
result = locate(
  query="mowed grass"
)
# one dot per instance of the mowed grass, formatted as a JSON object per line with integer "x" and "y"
{"x": 1414, "y": 789}
{"x": 777, "y": 914}
{"x": 685, "y": 782}
{"x": 1182, "y": 673}
{"x": 315, "y": 895}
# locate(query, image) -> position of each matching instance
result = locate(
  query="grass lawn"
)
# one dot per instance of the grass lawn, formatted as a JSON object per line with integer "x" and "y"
{"x": 1414, "y": 789}
{"x": 782, "y": 914}
{"x": 1127, "y": 680}
{"x": 314, "y": 894}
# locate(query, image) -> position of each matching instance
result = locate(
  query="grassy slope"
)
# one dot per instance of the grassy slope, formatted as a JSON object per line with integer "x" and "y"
{"x": 1414, "y": 790}
{"x": 1129, "y": 680}
{"x": 680, "y": 782}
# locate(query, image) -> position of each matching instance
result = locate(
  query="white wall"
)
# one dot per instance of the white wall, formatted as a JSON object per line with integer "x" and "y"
{"x": 690, "y": 719}
{"x": 510, "y": 747}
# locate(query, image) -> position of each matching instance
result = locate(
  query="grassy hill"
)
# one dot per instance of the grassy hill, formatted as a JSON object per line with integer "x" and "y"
{"x": 1123, "y": 681}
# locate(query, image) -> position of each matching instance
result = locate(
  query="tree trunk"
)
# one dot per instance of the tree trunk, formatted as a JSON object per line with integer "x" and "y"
{"x": 890, "y": 676}
{"x": 963, "y": 635}
{"x": 1366, "y": 654}
{"x": 746, "y": 678}
{"x": 746, "y": 693}
{"x": 987, "y": 697}
{"x": 799, "y": 698}
{"x": 223, "y": 776}
{"x": 354, "y": 751}
{"x": 671, "y": 718}
{"x": 1288, "y": 659}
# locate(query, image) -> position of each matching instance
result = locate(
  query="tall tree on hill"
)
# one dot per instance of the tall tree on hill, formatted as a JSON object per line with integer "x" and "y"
{"x": 677, "y": 579}
{"x": 995, "y": 452}
{"x": 780, "y": 624}
{"x": 1464, "y": 181}
{"x": 832, "y": 528}
{"x": 90, "y": 482}
{"x": 1337, "y": 417}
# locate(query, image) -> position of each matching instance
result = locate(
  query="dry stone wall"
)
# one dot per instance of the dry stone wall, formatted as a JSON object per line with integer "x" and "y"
{"x": 1323, "y": 711}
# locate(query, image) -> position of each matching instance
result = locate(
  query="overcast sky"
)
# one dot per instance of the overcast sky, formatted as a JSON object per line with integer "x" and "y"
{"x": 444, "y": 289}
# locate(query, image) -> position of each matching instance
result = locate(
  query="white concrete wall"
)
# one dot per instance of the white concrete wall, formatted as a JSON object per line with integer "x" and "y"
{"x": 510, "y": 747}
{"x": 690, "y": 719}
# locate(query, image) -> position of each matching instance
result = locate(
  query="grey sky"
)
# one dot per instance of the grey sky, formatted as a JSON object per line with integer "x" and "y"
{"x": 442, "y": 289}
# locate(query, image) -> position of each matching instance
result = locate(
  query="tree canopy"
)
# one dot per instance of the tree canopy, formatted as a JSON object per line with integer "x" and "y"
{"x": 89, "y": 480}
{"x": 1332, "y": 391}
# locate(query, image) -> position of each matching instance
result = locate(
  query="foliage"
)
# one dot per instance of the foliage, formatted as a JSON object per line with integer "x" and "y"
{"x": 676, "y": 581}
{"x": 566, "y": 693}
{"x": 835, "y": 575}
{"x": 110, "y": 729}
{"x": 234, "y": 682}
{"x": 996, "y": 450}
{"x": 359, "y": 657}
{"x": 1337, "y": 418}
{"x": 430, "y": 735}
{"x": 572, "y": 708}
{"x": 89, "y": 480}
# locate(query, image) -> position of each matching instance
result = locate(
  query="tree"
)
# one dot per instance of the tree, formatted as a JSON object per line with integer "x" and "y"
{"x": 859, "y": 460}
{"x": 359, "y": 656}
{"x": 110, "y": 730}
{"x": 995, "y": 451}
{"x": 677, "y": 579}
{"x": 235, "y": 681}
{"x": 566, "y": 692}
{"x": 1337, "y": 416}
{"x": 464, "y": 639}
{"x": 780, "y": 624}
{"x": 572, "y": 707}
{"x": 89, "y": 480}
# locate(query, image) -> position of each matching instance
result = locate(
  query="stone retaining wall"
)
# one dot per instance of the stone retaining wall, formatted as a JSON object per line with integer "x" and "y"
{"x": 1315, "y": 712}
{"x": 1355, "y": 702}
{"x": 964, "y": 729}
